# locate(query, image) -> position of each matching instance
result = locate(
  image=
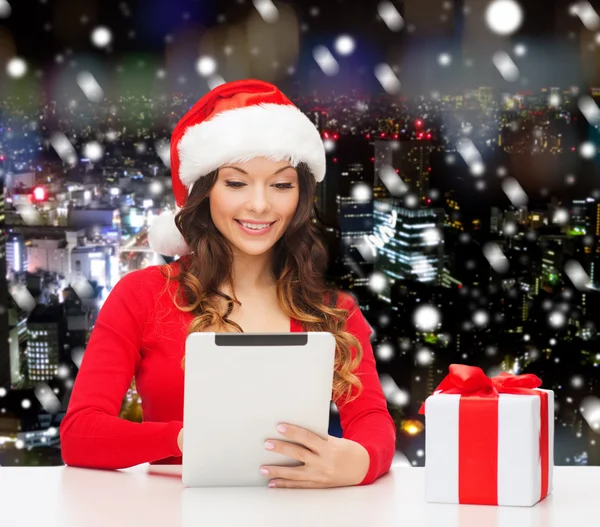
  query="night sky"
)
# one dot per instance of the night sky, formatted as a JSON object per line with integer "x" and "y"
{"x": 40, "y": 30}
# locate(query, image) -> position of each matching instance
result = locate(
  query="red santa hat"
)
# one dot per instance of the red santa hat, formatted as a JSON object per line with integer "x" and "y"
{"x": 233, "y": 123}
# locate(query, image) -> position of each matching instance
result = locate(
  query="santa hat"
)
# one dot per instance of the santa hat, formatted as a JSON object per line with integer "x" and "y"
{"x": 232, "y": 123}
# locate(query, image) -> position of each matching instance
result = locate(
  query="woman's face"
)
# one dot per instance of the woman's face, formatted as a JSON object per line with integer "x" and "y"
{"x": 252, "y": 203}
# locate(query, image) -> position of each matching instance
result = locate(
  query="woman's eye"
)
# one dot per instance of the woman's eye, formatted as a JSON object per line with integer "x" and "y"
{"x": 283, "y": 186}
{"x": 234, "y": 184}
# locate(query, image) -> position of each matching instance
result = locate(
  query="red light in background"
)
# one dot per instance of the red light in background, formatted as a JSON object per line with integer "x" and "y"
{"x": 428, "y": 136}
{"x": 2, "y": 158}
{"x": 335, "y": 159}
{"x": 382, "y": 134}
{"x": 368, "y": 136}
{"x": 39, "y": 193}
{"x": 326, "y": 135}
{"x": 372, "y": 159}
{"x": 428, "y": 201}
{"x": 419, "y": 122}
{"x": 336, "y": 136}
{"x": 395, "y": 136}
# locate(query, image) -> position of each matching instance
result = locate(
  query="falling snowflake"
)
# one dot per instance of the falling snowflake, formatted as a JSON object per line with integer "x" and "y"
{"x": 267, "y": 10}
{"x": 22, "y": 297}
{"x": 411, "y": 201}
{"x": 589, "y": 109}
{"x": 392, "y": 392}
{"x": 16, "y": 67}
{"x": 510, "y": 228}
{"x": 587, "y": 150}
{"x": 5, "y": 9}
{"x": 586, "y": 13}
{"x": 557, "y": 319}
{"x": 378, "y": 282}
{"x": 504, "y": 17}
{"x": 432, "y": 236}
{"x": 345, "y": 45}
{"x": 390, "y": 15}
{"x": 444, "y": 59}
{"x": 63, "y": 148}
{"x": 496, "y": 258}
{"x": 361, "y": 192}
{"x": 47, "y": 398}
{"x": 480, "y": 318}
{"x": 577, "y": 381}
{"x": 329, "y": 145}
{"x": 577, "y": 274}
{"x": 505, "y": 66}
{"x": 424, "y": 357}
{"x": 392, "y": 180}
{"x": 326, "y": 61}
{"x": 101, "y": 36}
{"x": 206, "y": 66}
{"x": 93, "y": 151}
{"x": 63, "y": 371}
{"x": 387, "y": 78}
{"x": 514, "y": 192}
{"x": 472, "y": 157}
{"x": 426, "y": 317}
{"x": 561, "y": 216}
{"x": 520, "y": 50}
{"x": 77, "y": 356}
{"x": 26, "y": 403}
{"x": 2, "y": 392}
{"x": 385, "y": 352}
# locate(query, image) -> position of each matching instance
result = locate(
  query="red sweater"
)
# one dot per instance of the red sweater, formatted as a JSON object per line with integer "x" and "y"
{"x": 139, "y": 332}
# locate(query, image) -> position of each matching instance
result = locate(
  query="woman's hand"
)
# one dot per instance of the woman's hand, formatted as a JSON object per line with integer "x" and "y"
{"x": 331, "y": 462}
{"x": 180, "y": 441}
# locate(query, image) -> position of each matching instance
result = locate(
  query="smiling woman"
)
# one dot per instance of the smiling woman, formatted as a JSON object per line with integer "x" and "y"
{"x": 245, "y": 163}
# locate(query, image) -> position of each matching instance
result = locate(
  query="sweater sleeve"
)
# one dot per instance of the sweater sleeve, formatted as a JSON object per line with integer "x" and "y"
{"x": 92, "y": 434}
{"x": 366, "y": 420}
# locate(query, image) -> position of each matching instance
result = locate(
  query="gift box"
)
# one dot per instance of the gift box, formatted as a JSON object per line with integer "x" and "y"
{"x": 488, "y": 441}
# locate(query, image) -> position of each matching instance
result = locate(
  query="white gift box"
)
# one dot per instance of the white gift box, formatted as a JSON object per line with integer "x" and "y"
{"x": 456, "y": 447}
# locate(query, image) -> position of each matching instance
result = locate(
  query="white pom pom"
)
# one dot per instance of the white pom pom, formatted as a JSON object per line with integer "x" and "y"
{"x": 164, "y": 237}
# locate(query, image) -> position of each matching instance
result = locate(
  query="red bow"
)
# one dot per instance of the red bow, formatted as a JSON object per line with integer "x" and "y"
{"x": 471, "y": 380}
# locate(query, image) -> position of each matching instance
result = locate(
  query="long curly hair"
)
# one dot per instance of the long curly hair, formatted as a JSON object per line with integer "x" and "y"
{"x": 299, "y": 263}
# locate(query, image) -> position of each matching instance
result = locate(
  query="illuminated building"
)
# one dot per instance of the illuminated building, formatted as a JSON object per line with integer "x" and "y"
{"x": 411, "y": 160}
{"x": 16, "y": 253}
{"x": 414, "y": 249}
{"x": 45, "y": 338}
{"x": 5, "y": 368}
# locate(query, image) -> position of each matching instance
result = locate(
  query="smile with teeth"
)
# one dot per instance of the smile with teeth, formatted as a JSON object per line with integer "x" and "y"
{"x": 255, "y": 226}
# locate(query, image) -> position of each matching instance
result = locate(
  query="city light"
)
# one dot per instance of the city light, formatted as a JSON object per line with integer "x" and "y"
{"x": 39, "y": 193}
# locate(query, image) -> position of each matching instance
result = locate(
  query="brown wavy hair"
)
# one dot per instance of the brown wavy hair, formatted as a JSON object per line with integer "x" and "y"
{"x": 299, "y": 263}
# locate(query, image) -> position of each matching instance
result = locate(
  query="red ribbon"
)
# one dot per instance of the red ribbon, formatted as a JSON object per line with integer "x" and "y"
{"x": 478, "y": 427}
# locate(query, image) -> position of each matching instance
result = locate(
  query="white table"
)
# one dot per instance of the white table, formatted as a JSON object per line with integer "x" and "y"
{"x": 76, "y": 497}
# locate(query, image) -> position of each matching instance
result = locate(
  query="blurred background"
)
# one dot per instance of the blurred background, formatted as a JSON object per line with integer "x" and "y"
{"x": 462, "y": 195}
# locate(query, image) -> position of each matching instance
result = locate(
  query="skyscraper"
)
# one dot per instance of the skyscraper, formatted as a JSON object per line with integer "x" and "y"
{"x": 415, "y": 251}
{"x": 4, "y": 344}
{"x": 410, "y": 159}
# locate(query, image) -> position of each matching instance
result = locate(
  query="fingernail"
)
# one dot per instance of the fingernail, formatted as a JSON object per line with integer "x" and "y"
{"x": 269, "y": 445}
{"x": 264, "y": 471}
{"x": 272, "y": 485}
{"x": 281, "y": 428}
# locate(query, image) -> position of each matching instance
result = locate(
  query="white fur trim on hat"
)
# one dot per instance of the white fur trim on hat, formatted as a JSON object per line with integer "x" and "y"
{"x": 276, "y": 131}
{"x": 164, "y": 236}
